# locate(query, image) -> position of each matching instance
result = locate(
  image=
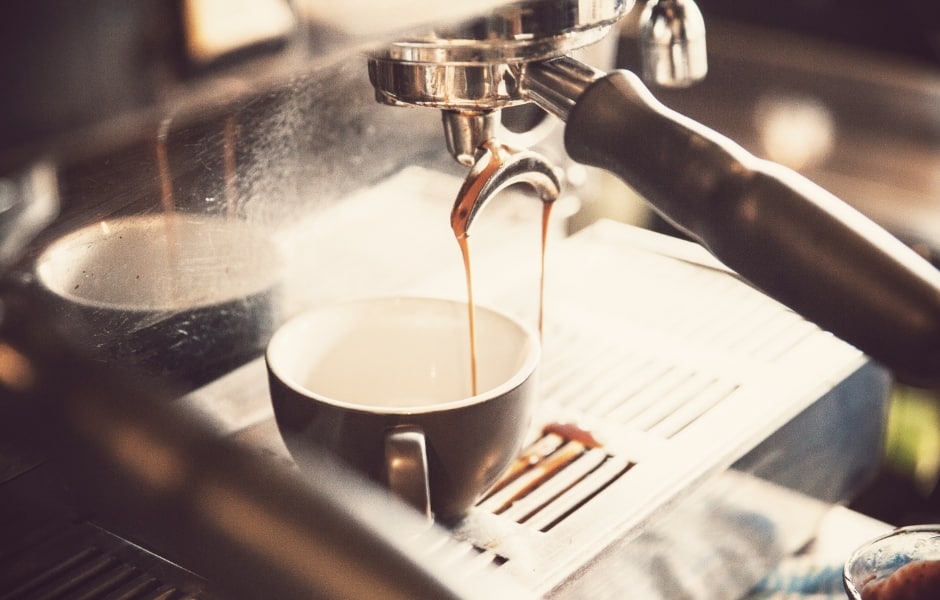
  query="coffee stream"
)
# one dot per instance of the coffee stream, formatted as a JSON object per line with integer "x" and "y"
{"x": 465, "y": 252}
{"x": 459, "y": 222}
{"x": 546, "y": 215}
{"x": 467, "y": 198}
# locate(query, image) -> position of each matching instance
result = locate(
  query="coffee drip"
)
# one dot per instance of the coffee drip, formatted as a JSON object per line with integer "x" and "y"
{"x": 496, "y": 167}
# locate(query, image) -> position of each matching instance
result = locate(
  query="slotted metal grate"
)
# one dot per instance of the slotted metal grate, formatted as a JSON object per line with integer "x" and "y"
{"x": 660, "y": 369}
{"x": 667, "y": 368}
{"x": 84, "y": 563}
{"x": 553, "y": 477}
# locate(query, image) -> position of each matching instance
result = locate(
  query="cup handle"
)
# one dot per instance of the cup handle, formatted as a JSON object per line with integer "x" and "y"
{"x": 406, "y": 467}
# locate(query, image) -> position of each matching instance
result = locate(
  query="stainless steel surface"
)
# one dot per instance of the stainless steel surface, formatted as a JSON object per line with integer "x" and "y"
{"x": 472, "y": 71}
{"x": 469, "y": 67}
{"x": 184, "y": 296}
{"x": 124, "y": 264}
{"x": 99, "y": 75}
{"x": 478, "y": 68}
{"x": 672, "y": 37}
{"x": 465, "y": 131}
{"x": 555, "y": 85}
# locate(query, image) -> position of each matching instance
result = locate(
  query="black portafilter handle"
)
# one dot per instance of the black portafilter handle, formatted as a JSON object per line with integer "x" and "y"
{"x": 787, "y": 236}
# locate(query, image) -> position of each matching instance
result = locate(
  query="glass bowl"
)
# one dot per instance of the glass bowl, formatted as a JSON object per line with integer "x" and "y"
{"x": 898, "y": 565}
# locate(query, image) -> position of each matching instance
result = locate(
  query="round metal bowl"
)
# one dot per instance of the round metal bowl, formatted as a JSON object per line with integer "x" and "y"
{"x": 183, "y": 296}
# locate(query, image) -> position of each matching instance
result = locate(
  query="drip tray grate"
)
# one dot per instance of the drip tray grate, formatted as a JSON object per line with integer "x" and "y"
{"x": 85, "y": 562}
{"x": 660, "y": 369}
{"x": 553, "y": 477}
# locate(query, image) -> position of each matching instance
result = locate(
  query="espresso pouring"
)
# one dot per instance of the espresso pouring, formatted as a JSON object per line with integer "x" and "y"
{"x": 467, "y": 198}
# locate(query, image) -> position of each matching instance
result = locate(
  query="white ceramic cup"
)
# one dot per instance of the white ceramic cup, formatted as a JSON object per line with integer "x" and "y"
{"x": 385, "y": 385}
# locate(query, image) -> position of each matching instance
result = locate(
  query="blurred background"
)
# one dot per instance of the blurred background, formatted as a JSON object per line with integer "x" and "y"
{"x": 909, "y": 29}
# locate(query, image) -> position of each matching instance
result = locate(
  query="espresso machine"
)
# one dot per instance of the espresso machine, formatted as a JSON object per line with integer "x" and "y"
{"x": 178, "y": 178}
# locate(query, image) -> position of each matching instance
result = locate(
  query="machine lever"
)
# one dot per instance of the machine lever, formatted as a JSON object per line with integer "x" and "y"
{"x": 789, "y": 237}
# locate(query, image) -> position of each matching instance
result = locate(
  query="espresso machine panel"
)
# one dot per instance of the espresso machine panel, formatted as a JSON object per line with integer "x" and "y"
{"x": 176, "y": 179}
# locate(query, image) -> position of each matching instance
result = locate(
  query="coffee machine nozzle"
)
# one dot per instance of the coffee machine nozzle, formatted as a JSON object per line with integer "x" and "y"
{"x": 472, "y": 70}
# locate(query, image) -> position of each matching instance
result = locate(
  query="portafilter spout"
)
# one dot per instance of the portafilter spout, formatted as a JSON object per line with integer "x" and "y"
{"x": 497, "y": 166}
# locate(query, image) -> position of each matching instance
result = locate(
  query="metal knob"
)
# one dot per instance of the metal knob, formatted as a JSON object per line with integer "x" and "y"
{"x": 672, "y": 34}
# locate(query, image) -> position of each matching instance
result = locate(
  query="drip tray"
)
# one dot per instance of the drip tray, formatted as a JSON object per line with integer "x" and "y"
{"x": 675, "y": 401}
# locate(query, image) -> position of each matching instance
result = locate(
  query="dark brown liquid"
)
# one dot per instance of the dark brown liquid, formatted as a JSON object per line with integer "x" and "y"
{"x": 546, "y": 214}
{"x": 466, "y": 198}
{"x": 465, "y": 251}
{"x": 560, "y": 445}
{"x": 917, "y": 580}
